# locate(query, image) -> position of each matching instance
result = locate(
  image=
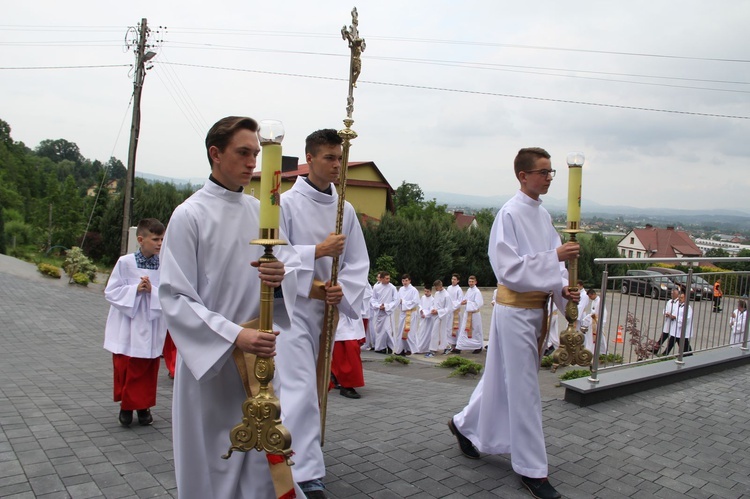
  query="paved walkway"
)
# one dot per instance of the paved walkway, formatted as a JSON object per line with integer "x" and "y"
{"x": 59, "y": 435}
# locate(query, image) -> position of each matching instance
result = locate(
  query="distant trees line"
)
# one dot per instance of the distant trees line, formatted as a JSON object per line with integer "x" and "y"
{"x": 44, "y": 203}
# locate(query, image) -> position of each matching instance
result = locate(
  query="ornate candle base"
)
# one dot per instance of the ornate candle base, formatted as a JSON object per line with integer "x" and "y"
{"x": 572, "y": 349}
{"x": 261, "y": 427}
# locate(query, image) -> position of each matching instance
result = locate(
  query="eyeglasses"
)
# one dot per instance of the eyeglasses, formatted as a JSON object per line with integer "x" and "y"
{"x": 543, "y": 172}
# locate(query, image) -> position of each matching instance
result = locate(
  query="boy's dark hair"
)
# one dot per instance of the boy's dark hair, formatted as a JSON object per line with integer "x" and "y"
{"x": 223, "y": 130}
{"x": 473, "y": 277}
{"x": 406, "y": 276}
{"x": 151, "y": 225}
{"x": 324, "y": 137}
{"x": 437, "y": 283}
{"x": 456, "y": 276}
{"x": 526, "y": 158}
{"x": 384, "y": 273}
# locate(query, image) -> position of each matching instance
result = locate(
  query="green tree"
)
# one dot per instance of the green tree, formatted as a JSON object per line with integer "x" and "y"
{"x": 59, "y": 150}
{"x": 407, "y": 194}
{"x": 717, "y": 253}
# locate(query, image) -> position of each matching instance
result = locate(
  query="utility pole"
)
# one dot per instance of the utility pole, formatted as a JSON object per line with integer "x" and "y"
{"x": 140, "y": 73}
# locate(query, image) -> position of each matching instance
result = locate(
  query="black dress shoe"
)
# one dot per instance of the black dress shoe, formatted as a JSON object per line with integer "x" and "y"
{"x": 349, "y": 393}
{"x": 478, "y": 350}
{"x": 125, "y": 417}
{"x": 455, "y": 350}
{"x": 540, "y": 488}
{"x": 144, "y": 417}
{"x": 381, "y": 351}
{"x": 467, "y": 448}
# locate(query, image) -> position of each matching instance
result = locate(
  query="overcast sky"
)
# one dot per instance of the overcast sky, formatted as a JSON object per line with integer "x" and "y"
{"x": 449, "y": 90}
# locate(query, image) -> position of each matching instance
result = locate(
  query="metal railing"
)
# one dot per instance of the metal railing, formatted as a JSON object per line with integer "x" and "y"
{"x": 631, "y": 327}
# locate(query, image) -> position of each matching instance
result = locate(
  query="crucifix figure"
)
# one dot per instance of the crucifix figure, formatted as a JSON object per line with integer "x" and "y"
{"x": 357, "y": 46}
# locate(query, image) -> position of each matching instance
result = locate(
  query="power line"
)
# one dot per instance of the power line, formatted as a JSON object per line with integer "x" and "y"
{"x": 473, "y": 92}
{"x": 400, "y": 39}
{"x": 67, "y": 67}
{"x": 493, "y": 67}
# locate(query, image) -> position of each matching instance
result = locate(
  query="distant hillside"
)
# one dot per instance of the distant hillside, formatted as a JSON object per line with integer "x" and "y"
{"x": 734, "y": 218}
{"x": 178, "y": 182}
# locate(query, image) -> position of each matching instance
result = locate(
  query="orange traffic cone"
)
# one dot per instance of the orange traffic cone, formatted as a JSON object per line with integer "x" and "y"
{"x": 619, "y": 335}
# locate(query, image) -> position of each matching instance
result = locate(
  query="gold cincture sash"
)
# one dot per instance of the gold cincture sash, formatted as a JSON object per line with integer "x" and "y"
{"x": 528, "y": 300}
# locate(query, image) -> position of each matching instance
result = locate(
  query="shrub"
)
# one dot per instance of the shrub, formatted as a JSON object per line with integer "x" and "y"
{"x": 575, "y": 374}
{"x": 76, "y": 262}
{"x": 49, "y": 270}
{"x": 462, "y": 366}
{"x": 547, "y": 361}
{"x": 470, "y": 367}
{"x": 396, "y": 358}
{"x": 81, "y": 278}
{"x": 610, "y": 358}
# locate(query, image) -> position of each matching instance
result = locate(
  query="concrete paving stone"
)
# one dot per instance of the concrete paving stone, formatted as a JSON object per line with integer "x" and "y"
{"x": 46, "y": 484}
{"x": 62, "y": 494}
{"x": 153, "y": 492}
{"x": 76, "y": 480}
{"x": 385, "y": 494}
{"x": 367, "y": 486}
{"x": 109, "y": 479}
{"x": 84, "y": 490}
{"x": 671, "y": 483}
{"x": 22, "y": 489}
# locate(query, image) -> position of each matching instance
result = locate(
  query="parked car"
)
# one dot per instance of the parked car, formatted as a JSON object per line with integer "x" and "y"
{"x": 647, "y": 283}
{"x": 698, "y": 285}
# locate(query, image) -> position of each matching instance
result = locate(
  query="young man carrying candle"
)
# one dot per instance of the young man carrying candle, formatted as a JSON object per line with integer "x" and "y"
{"x": 504, "y": 414}
{"x": 308, "y": 217}
{"x": 210, "y": 284}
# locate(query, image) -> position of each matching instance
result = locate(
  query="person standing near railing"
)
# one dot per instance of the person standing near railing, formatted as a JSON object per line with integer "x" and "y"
{"x": 717, "y": 295}
{"x": 677, "y": 331}
{"x": 737, "y": 323}
{"x": 670, "y": 319}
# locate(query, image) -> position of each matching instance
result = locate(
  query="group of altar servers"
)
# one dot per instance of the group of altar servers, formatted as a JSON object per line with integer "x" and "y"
{"x": 442, "y": 320}
{"x": 208, "y": 287}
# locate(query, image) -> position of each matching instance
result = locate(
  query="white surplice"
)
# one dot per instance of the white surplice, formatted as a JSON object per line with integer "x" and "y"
{"x": 504, "y": 414}
{"x": 308, "y": 216}
{"x": 600, "y": 325}
{"x": 427, "y": 323}
{"x": 409, "y": 306}
{"x": 457, "y": 296}
{"x": 443, "y": 319}
{"x": 387, "y": 296}
{"x": 737, "y": 327}
{"x": 208, "y": 288}
{"x": 366, "y": 314}
{"x": 474, "y": 302}
{"x": 135, "y": 325}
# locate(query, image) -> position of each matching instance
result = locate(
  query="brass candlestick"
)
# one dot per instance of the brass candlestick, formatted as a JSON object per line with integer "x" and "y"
{"x": 261, "y": 427}
{"x": 572, "y": 342}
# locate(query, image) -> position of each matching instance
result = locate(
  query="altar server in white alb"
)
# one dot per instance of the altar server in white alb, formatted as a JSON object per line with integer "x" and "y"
{"x": 210, "y": 284}
{"x": 596, "y": 325}
{"x": 308, "y": 217}
{"x": 504, "y": 414}
{"x": 427, "y": 320}
{"x": 367, "y": 314}
{"x": 471, "y": 335}
{"x": 737, "y": 323}
{"x": 383, "y": 302}
{"x": 457, "y": 297}
{"x": 443, "y": 306}
{"x": 135, "y": 329}
{"x": 405, "y": 339}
